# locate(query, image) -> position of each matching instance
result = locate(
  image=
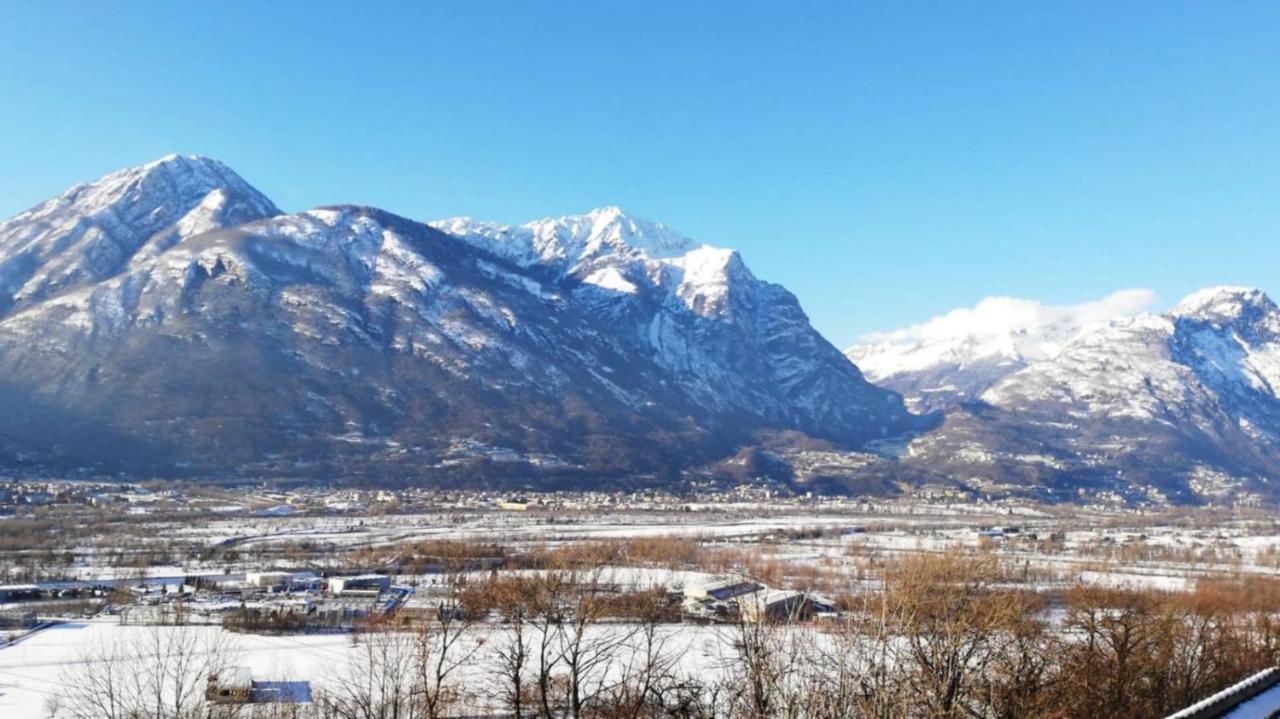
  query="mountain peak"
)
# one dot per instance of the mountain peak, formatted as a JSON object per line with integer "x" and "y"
{"x": 132, "y": 299}
{"x": 1224, "y": 304}
{"x": 608, "y": 230}
{"x": 174, "y": 158}
{"x": 165, "y": 183}
{"x": 607, "y": 213}
{"x": 570, "y": 241}
{"x": 94, "y": 229}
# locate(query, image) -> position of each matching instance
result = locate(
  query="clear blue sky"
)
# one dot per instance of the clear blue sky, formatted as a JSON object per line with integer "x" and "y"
{"x": 886, "y": 162}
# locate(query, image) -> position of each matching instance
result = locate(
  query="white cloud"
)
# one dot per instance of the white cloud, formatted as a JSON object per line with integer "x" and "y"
{"x": 997, "y": 326}
{"x": 994, "y": 316}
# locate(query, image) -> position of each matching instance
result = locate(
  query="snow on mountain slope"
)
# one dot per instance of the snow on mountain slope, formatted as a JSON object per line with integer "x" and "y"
{"x": 569, "y": 242}
{"x": 363, "y": 341}
{"x": 699, "y": 312}
{"x": 611, "y": 250}
{"x": 1125, "y": 369}
{"x": 1158, "y": 401}
{"x": 1230, "y": 305}
{"x": 956, "y": 356}
{"x": 1219, "y": 340}
{"x": 92, "y": 231}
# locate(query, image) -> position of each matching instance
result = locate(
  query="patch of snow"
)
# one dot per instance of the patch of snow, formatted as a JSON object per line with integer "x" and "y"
{"x": 610, "y": 278}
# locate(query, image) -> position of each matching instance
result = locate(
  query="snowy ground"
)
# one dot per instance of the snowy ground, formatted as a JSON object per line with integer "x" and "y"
{"x": 35, "y": 669}
{"x": 1057, "y": 548}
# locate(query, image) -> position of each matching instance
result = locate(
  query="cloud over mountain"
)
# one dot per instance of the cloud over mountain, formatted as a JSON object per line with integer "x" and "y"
{"x": 975, "y": 346}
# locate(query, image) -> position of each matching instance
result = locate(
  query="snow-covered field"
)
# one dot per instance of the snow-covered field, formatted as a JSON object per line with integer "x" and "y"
{"x": 34, "y": 669}
{"x": 1055, "y": 549}
{"x": 37, "y": 668}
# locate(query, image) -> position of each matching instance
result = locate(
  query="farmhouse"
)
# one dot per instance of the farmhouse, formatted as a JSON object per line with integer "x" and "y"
{"x": 237, "y": 686}
{"x": 427, "y": 609}
{"x": 266, "y": 580}
{"x": 783, "y": 605}
{"x": 233, "y": 686}
{"x": 363, "y": 584}
{"x": 722, "y": 590}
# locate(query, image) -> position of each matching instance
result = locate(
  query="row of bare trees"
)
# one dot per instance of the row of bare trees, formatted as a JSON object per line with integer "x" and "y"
{"x": 555, "y": 643}
{"x": 944, "y": 638}
{"x": 941, "y": 637}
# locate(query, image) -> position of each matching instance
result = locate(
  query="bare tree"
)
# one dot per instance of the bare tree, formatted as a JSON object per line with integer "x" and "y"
{"x": 952, "y": 624}
{"x": 442, "y": 646}
{"x": 154, "y": 673}
{"x": 407, "y": 673}
{"x": 766, "y": 671}
{"x": 548, "y": 602}
{"x": 378, "y": 681}
{"x": 647, "y": 683}
{"x": 512, "y": 645}
{"x": 1023, "y": 678}
{"x": 1105, "y": 664}
{"x": 864, "y": 659}
{"x": 588, "y": 649}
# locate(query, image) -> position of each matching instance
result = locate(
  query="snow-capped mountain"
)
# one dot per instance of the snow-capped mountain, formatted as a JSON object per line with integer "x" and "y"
{"x": 955, "y": 357}
{"x": 91, "y": 231}
{"x": 169, "y": 318}
{"x": 1184, "y": 405}
{"x": 691, "y": 309}
{"x": 566, "y": 243}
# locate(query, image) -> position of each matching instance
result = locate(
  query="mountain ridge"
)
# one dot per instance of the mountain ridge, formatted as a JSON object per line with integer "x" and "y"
{"x": 1180, "y": 406}
{"x": 957, "y": 356}
{"x": 170, "y": 320}
{"x": 347, "y": 340}
{"x": 92, "y": 230}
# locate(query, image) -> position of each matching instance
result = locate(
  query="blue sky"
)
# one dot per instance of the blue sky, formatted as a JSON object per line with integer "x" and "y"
{"x": 885, "y": 161}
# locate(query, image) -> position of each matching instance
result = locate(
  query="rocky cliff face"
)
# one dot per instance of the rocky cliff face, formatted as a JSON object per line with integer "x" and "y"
{"x": 730, "y": 340}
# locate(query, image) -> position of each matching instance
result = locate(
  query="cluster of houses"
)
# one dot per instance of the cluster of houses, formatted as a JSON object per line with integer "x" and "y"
{"x": 19, "y": 495}
{"x": 265, "y": 599}
{"x": 270, "y": 601}
{"x": 263, "y": 499}
{"x": 274, "y": 601}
